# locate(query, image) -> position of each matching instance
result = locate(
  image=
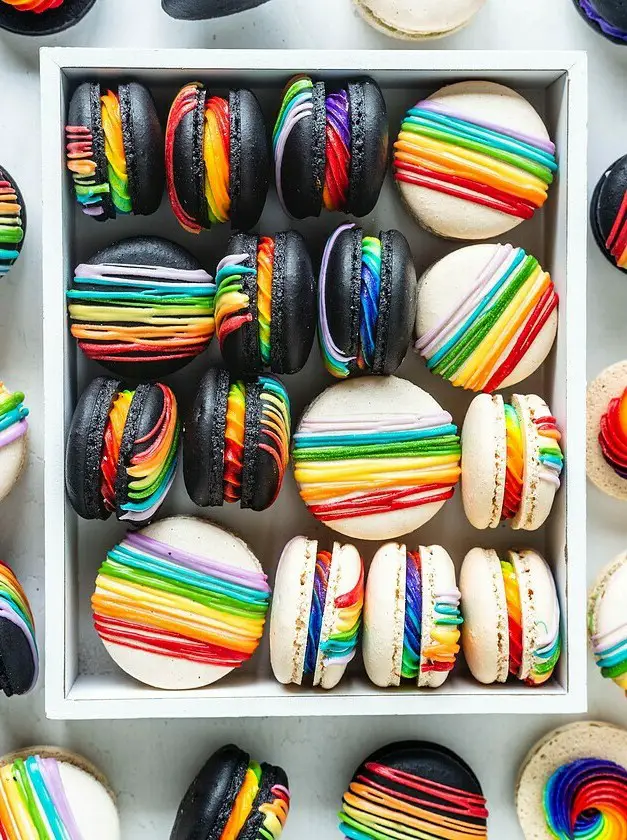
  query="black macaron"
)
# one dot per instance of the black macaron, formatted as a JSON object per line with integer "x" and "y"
{"x": 12, "y": 221}
{"x": 608, "y": 213}
{"x": 266, "y": 303}
{"x": 366, "y": 301}
{"x": 229, "y": 184}
{"x": 331, "y": 147}
{"x": 148, "y": 431}
{"x": 208, "y": 803}
{"x": 100, "y": 189}
{"x": 607, "y": 17}
{"x": 204, "y": 9}
{"x": 449, "y": 792}
{"x": 236, "y": 440}
{"x": 55, "y": 19}
{"x": 19, "y": 657}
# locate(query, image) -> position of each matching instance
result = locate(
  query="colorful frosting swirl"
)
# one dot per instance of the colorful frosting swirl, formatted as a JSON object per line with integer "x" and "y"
{"x": 153, "y": 597}
{"x": 474, "y": 160}
{"x": 383, "y": 802}
{"x": 364, "y": 465}
{"x": 234, "y": 437}
{"x": 38, "y": 7}
{"x": 604, "y": 25}
{"x": 114, "y": 152}
{"x": 514, "y": 471}
{"x": 610, "y": 653}
{"x": 82, "y": 164}
{"x": 217, "y": 157}
{"x": 613, "y": 435}
{"x": 483, "y": 338}
{"x": 587, "y": 799}
{"x": 550, "y": 454}
{"x": 14, "y": 607}
{"x": 616, "y": 242}
{"x": 275, "y": 813}
{"x": 13, "y": 414}
{"x": 297, "y": 105}
{"x": 133, "y": 313}
{"x": 338, "y": 151}
{"x": 265, "y": 269}
{"x": 412, "y": 634}
{"x": 514, "y": 616}
{"x": 318, "y": 603}
{"x": 34, "y": 803}
{"x": 11, "y": 226}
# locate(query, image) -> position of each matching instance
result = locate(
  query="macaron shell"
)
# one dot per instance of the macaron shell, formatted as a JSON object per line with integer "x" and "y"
{"x": 144, "y": 147}
{"x": 50, "y": 23}
{"x": 605, "y": 15}
{"x": 456, "y": 218}
{"x": 249, "y": 159}
{"x": 203, "y": 440}
{"x": 583, "y": 739}
{"x": 384, "y": 615}
{"x": 18, "y": 667}
{"x": 537, "y": 599}
{"x": 409, "y": 21}
{"x": 199, "y": 537}
{"x": 291, "y": 608}
{"x": 205, "y": 9}
{"x": 240, "y": 348}
{"x": 484, "y": 461}
{"x": 346, "y": 569}
{"x": 606, "y": 204}
{"x": 397, "y": 302}
{"x": 485, "y": 631}
{"x": 609, "y": 384}
{"x": 12, "y": 462}
{"x": 342, "y": 291}
{"x": 450, "y": 280}
{"x": 438, "y": 576}
{"x": 606, "y": 605}
{"x": 538, "y": 494}
{"x": 369, "y": 146}
{"x": 189, "y": 162}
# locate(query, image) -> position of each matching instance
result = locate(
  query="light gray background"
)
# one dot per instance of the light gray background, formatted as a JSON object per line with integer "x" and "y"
{"x": 150, "y": 763}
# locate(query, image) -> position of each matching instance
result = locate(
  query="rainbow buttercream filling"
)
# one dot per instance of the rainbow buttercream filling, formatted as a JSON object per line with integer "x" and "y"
{"x": 364, "y": 465}
{"x": 38, "y": 7}
{"x": 550, "y": 454}
{"x": 383, "y": 802}
{"x": 243, "y": 805}
{"x": 82, "y": 165}
{"x": 338, "y": 150}
{"x": 234, "y": 437}
{"x": 514, "y": 616}
{"x": 613, "y": 435}
{"x": 117, "y": 170}
{"x": 587, "y": 800}
{"x": 515, "y": 463}
{"x": 297, "y": 105}
{"x": 34, "y": 803}
{"x": 14, "y": 607}
{"x": 412, "y": 634}
{"x": 604, "y": 25}
{"x": 483, "y": 338}
{"x": 217, "y": 158}
{"x": 610, "y": 653}
{"x": 474, "y": 160}
{"x": 13, "y": 414}
{"x": 616, "y": 243}
{"x": 11, "y": 226}
{"x": 275, "y": 813}
{"x": 133, "y": 313}
{"x": 153, "y": 597}
{"x": 316, "y": 614}
{"x": 265, "y": 269}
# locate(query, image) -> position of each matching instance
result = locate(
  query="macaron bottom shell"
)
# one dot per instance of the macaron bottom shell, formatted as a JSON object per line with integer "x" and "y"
{"x": 400, "y": 19}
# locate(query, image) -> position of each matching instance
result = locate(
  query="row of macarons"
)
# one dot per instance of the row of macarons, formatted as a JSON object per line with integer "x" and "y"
{"x": 573, "y": 783}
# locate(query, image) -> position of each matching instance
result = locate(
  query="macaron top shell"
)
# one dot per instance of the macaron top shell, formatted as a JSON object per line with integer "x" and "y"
{"x": 608, "y": 213}
{"x": 606, "y": 621}
{"x": 41, "y": 17}
{"x": 498, "y": 148}
{"x": 205, "y": 9}
{"x": 486, "y": 316}
{"x": 608, "y": 17}
{"x": 409, "y": 20}
{"x": 12, "y": 221}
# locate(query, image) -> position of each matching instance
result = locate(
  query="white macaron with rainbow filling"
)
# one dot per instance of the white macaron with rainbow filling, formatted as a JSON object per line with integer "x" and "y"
{"x": 411, "y": 616}
{"x": 511, "y": 461}
{"x": 316, "y": 612}
{"x": 607, "y": 621}
{"x": 412, "y": 20}
{"x": 511, "y": 616}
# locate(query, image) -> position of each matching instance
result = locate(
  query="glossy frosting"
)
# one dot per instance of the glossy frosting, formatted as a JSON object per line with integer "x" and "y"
{"x": 11, "y": 228}
{"x": 14, "y": 607}
{"x": 514, "y": 616}
{"x": 13, "y": 414}
{"x": 115, "y": 153}
{"x": 412, "y": 633}
{"x": 371, "y": 464}
{"x": 476, "y": 161}
{"x": 275, "y": 813}
{"x": 82, "y": 164}
{"x": 610, "y": 653}
{"x": 515, "y": 467}
{"x": 587, "y": 6}
{"x": 587, "y": 800}
{"x": 387, "y": 803}
{"x": 296, "y": 106}
{"x": 616, "y": 242}
{"x": 318, "y": 603}
{"x": 153, "y": 597}
{"x": 265, "y": 267}
{"x": 550, "y": 453}
{"x": 613, "y": 435}
{"x": 36, "y": 6}
{"x": 131, "y": 313}
{"x": 234, "y": 436}
{"x": 338, "y": 151}
{"x": 217, "y": 157}
{"x": 486, "y": 334}
{"x": 341, "y": 645}
{"x": 607, "y": 623}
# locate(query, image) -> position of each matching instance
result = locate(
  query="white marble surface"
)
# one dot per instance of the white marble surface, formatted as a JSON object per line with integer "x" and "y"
{"x": 150, "y": 763}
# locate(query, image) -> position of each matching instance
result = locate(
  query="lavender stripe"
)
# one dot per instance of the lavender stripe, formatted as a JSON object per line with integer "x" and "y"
{"x": 232, "y": 260}
{"x": 16, "y": 618}
{"x": 299, "y": 113}
{"x": 13, "y": 433}
{"x": 604, "y": 25}
{"x": 327, "y": 338}
{"x": 339, "y": 424}
{"x": 49, "y": 768}
{"x": 337, "y": 108}
{"x": 103, "y": 270}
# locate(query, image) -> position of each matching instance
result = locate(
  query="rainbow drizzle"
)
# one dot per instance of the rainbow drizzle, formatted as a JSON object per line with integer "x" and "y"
{"x": 13, "y": 414}
{"x": 587, "y": 800}
{"x": 364, "y": 465}
{"x": 14, "y": 607}
{"x": 483, "y": 338}
{"x": 154, "y": 597}
{"x": 616, "y": 242}
{"x": 82, "y": 165}
{"x": 11, "y": 226}
{"x": 34, "y": 802}
{"x": 117, "y": 169}
{"x": 297, "y": 105}
{"x": 474, "y": 160}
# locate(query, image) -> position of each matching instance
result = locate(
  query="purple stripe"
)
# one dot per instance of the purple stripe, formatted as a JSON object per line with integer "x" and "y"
{"x": 49, "y": 769}
{"x": 154, "y": 273}
{"x": 373, "y": 423}
{"x": 604, "y": 25}
{"x": 538, "y": 142}
{"x": 338, "y": 113}
{"x": 327, "y": 339}
{"x": 13, "y": 433}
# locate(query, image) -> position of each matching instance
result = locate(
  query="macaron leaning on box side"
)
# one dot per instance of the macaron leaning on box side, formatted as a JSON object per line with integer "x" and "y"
{"x": 12, "y": 221}
{"x": 316, "y": 612}
{"x": 217, "y": 158}
{"x": 408, "y": 20}
{"x": 13, "y": 438}
{"x": 487, "y": 316}
{"x": 606, "y": 17}
{"x": 608, "y": 213}
{"x": 19, "y": 655}
{"x": 411, "y": 616}
{"x": 42, "y": 17}
{"x": 266, "y": 303}
{"x": 607, "y": 627}
{"x": 114, "y": 150}
{"x": 511, "y": 461}
{"x": 511, "y": 616}
{"x": 366, "y": 301}
{"x": 473, "y": 161}
{"x": 206, "y": 9}
{"x": 606, "y": 431}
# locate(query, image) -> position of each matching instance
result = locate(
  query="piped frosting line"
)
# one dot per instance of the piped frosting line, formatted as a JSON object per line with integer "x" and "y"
{"x": 185, "y": 102}
{"x": 338, "y": 151}
{"x": 340, "y": 647}
{"x": 82, "y": 165}
{"x": 232, "y": 303}
{"x": 297, "y": 105}
{"x": 616, "y": 242}
{"x": 37, "y": 7}
{"x": 11, "y": 227}
{"x": 604, "y": 25}
{"x": 336, "y": 361}
{"x": 13, "y": 414}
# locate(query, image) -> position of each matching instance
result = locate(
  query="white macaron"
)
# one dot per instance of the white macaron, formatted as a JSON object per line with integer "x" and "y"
{"x": 316, "y": 612}
{"x": 607, "y": 621}
{"x": 511, "y": 461}
{"x": 417, "y": 19}
{"x": 511, "y": 616}
{"x": 411, "y": 616}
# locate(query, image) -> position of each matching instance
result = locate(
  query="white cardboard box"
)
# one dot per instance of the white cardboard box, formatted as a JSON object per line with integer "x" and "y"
{"x": 81, "y": 681}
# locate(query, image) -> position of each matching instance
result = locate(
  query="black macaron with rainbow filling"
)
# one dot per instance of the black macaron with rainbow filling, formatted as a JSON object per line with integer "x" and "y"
{"x": 114, "y": 150}
{"x": 330, "y": 147}
{"x": 607, "y": 17}
{"x": 217, "y": 158}
{"x": 204, "y": 9}
{"x": 41, "y": 17}
{"x": 236, "y": 441}
{"x": 234, "y": 798}
{"x": 608, "y": 213}
{"x": 398, "y": 780}
{"x": 366, "y": 301}
{"x": 12, "y": 221}
{"x": 122, "y": 450}
{"x": 265, "y": 306}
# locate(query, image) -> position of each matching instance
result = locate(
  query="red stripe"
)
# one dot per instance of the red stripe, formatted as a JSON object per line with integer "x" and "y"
{"x": 373, "y": 503}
